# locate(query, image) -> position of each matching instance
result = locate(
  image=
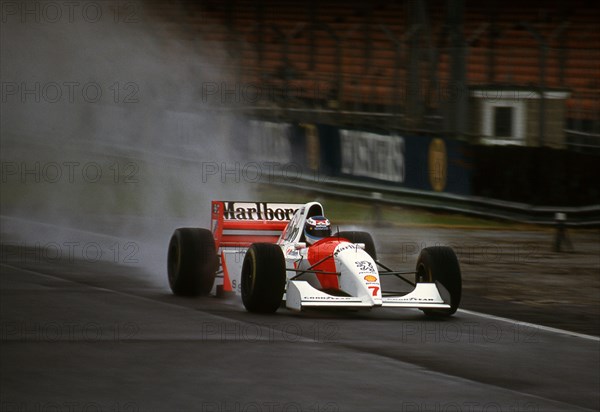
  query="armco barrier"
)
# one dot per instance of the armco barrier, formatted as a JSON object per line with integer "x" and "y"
{"x": 587, "y": 216}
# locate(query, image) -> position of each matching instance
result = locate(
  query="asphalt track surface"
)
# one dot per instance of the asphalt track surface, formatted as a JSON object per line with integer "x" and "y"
{"x": 78, "y": 335}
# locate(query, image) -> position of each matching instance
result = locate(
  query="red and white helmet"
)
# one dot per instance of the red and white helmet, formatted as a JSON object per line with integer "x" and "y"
{"x": 316, "y": 228}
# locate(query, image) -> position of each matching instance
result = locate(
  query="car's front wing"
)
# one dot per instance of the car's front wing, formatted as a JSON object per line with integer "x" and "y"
{"x": 424, "y": 296}
{"x": 301, "y": 295}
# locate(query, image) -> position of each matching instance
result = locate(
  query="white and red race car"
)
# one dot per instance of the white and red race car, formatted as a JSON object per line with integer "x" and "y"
{"x": 260, "y": 250}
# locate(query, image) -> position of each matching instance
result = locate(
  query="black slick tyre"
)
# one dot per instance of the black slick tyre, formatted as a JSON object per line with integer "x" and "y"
{"x": 439, "y": 264}
{"x": 263, "y": 278}
{"x": 192, "y": 262}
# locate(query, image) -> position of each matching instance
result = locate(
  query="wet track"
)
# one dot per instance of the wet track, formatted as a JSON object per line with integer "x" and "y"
{"x": 87, "y": 321}
{"x": 102, "y": 336}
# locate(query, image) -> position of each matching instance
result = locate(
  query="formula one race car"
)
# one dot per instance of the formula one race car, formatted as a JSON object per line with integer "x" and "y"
{"x": 275, "y": 254}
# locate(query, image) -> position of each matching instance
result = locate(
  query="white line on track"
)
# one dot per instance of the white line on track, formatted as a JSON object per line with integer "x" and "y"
{"x": 531, "y": 325}
{"x": 468, "y": 381}
{"x": 468, "y": 312}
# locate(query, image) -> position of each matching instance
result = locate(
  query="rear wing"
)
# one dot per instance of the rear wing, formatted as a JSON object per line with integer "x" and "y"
{"x": 239, "y": 224}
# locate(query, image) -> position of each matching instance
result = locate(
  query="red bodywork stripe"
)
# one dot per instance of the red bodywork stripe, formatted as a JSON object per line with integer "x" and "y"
{"x": 319, "y": 251}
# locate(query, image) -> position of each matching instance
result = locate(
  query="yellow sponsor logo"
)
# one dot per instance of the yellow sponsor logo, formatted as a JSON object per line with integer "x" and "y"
{"x": 371, "y": 278}
{"x": 438, "y": 164}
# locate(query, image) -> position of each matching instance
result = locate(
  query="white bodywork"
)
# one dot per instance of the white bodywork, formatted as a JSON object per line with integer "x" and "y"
{"x": 358, "y": 278}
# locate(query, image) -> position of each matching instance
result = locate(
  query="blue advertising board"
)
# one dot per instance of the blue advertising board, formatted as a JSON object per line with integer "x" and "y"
{"x": 418, "y": 162}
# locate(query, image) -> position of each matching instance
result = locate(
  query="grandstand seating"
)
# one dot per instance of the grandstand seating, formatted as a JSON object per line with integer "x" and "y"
{"x": 349, "y": 50}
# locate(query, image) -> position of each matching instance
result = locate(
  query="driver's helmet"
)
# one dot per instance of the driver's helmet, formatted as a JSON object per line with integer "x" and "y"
{"x": 316, "y": 228}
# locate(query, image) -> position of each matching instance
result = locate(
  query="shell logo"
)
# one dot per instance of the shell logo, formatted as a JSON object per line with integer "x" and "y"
{"x": 371, "y": 278}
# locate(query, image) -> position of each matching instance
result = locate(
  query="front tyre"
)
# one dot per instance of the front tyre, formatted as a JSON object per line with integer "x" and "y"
{"x": 263, "y": 278}
{"x": 439, "y": 265}
{"x": 192, "y": 262}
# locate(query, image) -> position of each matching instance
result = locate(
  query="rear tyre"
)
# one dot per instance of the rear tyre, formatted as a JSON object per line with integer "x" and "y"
{"x": 360, "y": 237}
{"x": 192, "y": 262}
{"x": 263, "y": 278}
{"x": 439, "y": 265}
